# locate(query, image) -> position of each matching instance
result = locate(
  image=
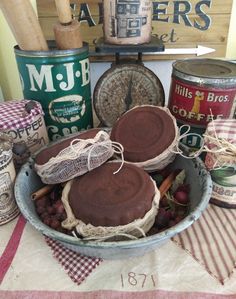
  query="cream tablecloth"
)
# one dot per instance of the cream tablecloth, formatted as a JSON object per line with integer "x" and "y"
{"x": 167, "y": 272}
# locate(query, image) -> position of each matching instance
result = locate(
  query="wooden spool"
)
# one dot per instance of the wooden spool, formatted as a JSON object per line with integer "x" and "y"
{"x": 66, "y": 31}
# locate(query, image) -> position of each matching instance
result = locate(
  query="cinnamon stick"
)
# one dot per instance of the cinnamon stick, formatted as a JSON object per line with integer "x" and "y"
{"x": 41, "y": 192}
{"x": 167, "y": 183}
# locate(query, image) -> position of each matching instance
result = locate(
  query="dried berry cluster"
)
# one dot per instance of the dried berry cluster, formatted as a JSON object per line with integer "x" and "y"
{"x": 173, "y": 208}
{"x": 174, "y": 205}
{"x": 51, "y": 210}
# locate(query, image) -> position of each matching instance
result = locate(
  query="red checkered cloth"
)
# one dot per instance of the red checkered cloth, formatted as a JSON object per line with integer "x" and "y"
{"x": 77, "y": 266}
{"x": 217, "y": 133}
{"x": 223, "y": 129}
{"x": 211, "y": 241}
{"x": 14, "y": 116}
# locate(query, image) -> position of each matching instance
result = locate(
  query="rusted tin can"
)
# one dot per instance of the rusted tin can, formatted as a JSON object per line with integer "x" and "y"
{"x": 8, "y": 207}
{"x": 127, "y": 21}
{"x": 202, "y": 89}
{"x": 60, "y": 81}
{"x": 23, "y": 120}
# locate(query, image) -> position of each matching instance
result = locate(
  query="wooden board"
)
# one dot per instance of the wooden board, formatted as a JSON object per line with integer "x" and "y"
{"x": 179, "y": 24}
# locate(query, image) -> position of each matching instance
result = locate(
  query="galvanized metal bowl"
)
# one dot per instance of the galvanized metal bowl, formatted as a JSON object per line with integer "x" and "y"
{"x": 28, "y": 181}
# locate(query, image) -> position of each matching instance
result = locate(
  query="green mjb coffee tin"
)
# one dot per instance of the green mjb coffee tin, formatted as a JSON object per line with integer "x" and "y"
{"x": 60, "y": 81}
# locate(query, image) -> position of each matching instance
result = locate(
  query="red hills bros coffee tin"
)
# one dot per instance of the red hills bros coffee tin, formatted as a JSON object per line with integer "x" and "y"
{"x": 200, "y": 89}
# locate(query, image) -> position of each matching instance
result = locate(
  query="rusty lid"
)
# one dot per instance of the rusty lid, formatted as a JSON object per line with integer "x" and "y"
{"x": 208, "y": 70}
{"x": 145, "y": 132}
{"x": 103, "y": 198}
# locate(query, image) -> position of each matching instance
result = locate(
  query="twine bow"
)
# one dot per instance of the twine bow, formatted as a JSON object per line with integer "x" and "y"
{"x": 82, "y": 144}
{"x": 217, "y": 145}
{"x": 187, "y": 133}
{"x": 224, "y": 151}
{"x": 223, "y": 146}
{"x": 81, "y": 156}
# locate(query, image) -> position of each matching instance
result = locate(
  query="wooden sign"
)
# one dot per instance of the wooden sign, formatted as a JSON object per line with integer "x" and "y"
{"x": 185, "y": 27}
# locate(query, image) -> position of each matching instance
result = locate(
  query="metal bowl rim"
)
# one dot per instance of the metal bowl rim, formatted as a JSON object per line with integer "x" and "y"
{"x": 166, "y": 234}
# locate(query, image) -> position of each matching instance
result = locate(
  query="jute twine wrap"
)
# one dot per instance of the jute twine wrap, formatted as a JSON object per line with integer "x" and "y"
{"x": 81, "y": 156}
{"x": 137, "y": 228}
{"x": 166, "y": 157}
{"x": 218, "y": 141}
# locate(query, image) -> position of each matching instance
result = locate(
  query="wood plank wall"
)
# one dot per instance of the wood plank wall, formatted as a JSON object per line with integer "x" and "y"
{"x": 179, "y": 24}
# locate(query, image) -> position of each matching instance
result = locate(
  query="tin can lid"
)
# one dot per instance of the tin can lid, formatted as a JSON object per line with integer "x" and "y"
{"x": 53, "y": 51}
{"x": 206, "y": 68}
{"x": 18, "y": 114}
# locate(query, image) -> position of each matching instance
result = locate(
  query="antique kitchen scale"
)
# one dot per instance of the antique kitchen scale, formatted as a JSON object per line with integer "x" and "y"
{"x": 128, "y": 82}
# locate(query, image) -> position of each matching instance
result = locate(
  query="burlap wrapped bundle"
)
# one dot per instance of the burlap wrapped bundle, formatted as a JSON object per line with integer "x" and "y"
{"x": 137, "y": 228}
{"x": 81, "y": 156}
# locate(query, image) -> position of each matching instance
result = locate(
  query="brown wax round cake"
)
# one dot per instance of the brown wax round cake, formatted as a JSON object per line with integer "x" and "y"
{"x": 145, "y": 132}
{"x": 47, "y": 153}
{"x": 102, "y": 198}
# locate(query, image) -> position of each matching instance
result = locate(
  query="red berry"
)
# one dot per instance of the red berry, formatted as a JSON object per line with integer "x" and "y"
{"x": 59, "y": 207}
{"x": 47, "y": 221}
{"x": 40, "y": 210}
{"x": 41, "y": 202}
{"x": 164, "y": 202}
{"x": 181, "y": 197}
{"x": 162, "y": 218}
{"x": 184, "y": 187}
{"x": 44, "y": 215}
{"x": 55, "y": 224}
{"x": 51, "y": 210}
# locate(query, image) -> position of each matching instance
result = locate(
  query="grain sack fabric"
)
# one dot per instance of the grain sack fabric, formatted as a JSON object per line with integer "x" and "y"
{"x": 211, "y": 241}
